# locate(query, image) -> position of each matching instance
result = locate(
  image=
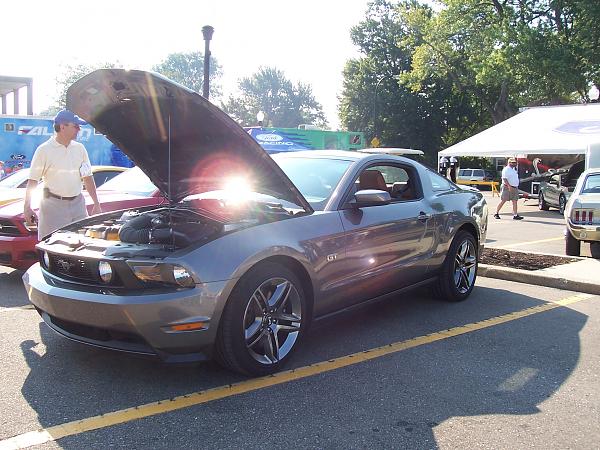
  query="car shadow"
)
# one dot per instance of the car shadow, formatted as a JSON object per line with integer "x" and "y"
{"x": 13, "y": 293}
{"x": 394, "y": 401}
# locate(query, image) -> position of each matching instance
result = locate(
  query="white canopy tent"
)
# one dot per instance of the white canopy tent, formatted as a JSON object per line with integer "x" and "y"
{"x": 556, "y": 130}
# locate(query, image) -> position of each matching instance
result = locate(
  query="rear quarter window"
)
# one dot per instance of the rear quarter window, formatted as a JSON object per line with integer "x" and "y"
{"x": 439, "y": 183}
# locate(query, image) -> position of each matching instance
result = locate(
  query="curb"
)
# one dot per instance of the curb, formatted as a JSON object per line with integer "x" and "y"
{"x": 538, "y": 279}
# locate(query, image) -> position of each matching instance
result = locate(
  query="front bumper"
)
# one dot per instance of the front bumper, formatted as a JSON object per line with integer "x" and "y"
{"x": 18, "y": 252}
{"x": 135, "y": 322}
{"x": 587, "y": 233}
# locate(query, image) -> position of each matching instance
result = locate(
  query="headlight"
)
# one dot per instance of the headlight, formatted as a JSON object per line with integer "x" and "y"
{"x": 105, "y": 271}
{"x": 31, "y": 228}
{"x": 162, "y": 273}
{"x": 182, "y": 277}
{"x": 46, "y": 260}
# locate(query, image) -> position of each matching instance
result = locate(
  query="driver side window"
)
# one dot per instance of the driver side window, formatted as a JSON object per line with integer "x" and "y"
{"x": 399, "y": 181}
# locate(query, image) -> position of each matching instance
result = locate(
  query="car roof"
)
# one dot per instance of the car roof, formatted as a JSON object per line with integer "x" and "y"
{"x": 593, "y": 170}
{"x": 347, "y": 155}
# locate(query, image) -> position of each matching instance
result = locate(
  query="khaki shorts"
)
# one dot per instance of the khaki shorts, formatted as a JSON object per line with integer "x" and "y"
{"x": 55, "y": 213}
{"x": 509, "y": 194}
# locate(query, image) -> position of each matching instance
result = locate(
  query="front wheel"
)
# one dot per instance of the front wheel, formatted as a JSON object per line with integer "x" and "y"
{"x": 263, "y": 321}
{"x": 542, "y": 205}
{"x": 459, "y": 271}
{"x": 562, "y": 202}
{"x": 572, "y": 245}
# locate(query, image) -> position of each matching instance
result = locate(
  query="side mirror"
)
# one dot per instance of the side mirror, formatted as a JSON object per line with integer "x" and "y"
{"x": 371, "y": 197}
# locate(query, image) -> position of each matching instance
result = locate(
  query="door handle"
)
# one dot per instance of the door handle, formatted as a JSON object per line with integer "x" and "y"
{"x": 423, "y": 217}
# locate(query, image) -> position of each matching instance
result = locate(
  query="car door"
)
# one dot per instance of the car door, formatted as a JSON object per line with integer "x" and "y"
{"x": 387, "y": 246}
{"x": 552, "y": 190}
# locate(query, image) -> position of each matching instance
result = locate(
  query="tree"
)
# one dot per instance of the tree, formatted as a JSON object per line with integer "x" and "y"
{"x": 187, "y": 69}
{"x": 504, "y": 54}
{"x": 284, "y": 103}
{"x": 69, "y": 75}
{"x": 373, "y": 99}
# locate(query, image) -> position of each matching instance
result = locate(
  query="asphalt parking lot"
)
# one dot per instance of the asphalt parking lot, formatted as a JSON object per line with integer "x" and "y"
{"x": 540, "y": 231}
{"x": 514, "y": 366}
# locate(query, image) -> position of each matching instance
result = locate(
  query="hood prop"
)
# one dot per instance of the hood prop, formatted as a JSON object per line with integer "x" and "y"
{"x": 169, "y": 183}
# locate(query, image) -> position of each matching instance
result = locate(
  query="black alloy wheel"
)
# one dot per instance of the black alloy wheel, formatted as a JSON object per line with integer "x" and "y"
{"x": 263, "y": 321}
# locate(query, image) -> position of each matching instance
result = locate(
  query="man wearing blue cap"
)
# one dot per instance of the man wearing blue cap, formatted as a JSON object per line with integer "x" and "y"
{"x": 62, "y": 163}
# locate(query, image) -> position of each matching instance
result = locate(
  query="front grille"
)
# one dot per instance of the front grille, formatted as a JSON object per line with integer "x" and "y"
{"x": 74, "y": 268}
{"x": 119, "y": 340}
{"x": 9, "y": 228}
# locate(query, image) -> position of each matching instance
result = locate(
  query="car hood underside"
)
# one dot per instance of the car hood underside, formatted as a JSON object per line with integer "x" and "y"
{"x": 185, "y": 144}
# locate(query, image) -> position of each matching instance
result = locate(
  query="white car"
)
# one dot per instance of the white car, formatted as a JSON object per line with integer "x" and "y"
{"x": 582, "y": 215}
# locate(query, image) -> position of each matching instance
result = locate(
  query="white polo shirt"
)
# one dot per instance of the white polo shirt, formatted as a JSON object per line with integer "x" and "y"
{"x": 511, "y": 175}
{"x": 60, "y": 167}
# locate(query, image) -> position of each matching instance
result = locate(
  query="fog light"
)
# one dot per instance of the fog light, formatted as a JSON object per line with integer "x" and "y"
{"x": 105, "y": 271}
{"x": 182, "y": 277}
{"x": 46, "y": 260}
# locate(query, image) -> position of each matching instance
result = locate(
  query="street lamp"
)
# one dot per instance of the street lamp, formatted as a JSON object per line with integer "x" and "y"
{"x": 207, "y": 32}
{"x": 260, "y": 117}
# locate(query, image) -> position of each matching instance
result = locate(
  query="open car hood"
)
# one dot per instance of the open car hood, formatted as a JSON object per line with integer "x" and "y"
{"x": 151, "y": 118}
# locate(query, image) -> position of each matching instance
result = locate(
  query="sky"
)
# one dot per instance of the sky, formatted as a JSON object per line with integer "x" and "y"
{"x": 308, "y": 40}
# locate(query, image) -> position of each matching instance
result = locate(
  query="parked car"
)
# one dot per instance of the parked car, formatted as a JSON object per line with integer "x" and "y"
{"x": 582, "y": 215}
{"x": 13, "y": 187}
{"x": 474, "y": 177}
{"x": 129, "y": 189}
{"x": 251, "y": 248}
{"x": 556, "y": 191}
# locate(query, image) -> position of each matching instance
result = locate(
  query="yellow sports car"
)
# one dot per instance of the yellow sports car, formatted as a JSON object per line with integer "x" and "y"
{"x": 13, "y": 186}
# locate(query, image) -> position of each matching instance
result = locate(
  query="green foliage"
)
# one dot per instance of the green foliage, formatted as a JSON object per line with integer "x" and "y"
{"x": 187, "y": 69}
{"x": 430, "y": 77}
{"x": 284, "y": 103}
{"x": 506, "y": 53}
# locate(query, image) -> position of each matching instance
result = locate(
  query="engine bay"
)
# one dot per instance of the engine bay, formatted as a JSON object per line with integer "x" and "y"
{"x": 158, "y": 231}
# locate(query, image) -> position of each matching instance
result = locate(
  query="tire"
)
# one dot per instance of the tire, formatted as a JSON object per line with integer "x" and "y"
{"x": 595, "y": 250}
{"x": 459, "y": 271}
{"x": 542, "y": 205}
{"x": 263, "y": 322}
{"x": 562, "y": 202}
{"x": 572, "y": 245}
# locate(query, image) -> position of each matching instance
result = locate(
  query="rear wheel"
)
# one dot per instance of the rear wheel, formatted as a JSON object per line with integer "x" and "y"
{"x": 263, "y": 321}
{"x": 542, "y": 205}
{"x": 595, "y": 250}
{"x": 459, "y": 271}
{"x": 572, "y": 245}
{"x": 562, "y": 202}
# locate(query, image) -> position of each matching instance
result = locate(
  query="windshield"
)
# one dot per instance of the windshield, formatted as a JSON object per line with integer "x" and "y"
{"x": 315, "y": 178}
{"x": 15, "y": 179}
{"x": 591, "y": 184}
{"x": 132, "y": 181}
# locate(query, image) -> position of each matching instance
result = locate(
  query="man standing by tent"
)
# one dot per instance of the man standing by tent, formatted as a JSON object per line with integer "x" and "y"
{"x": 510, "y": 188}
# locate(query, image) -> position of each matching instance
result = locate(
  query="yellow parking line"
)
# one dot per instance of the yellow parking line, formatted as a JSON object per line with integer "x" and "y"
{"x": 163, "y": 406}
{"x": 535, "y": 242}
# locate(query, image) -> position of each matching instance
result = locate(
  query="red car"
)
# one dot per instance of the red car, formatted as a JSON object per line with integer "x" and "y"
{"x": 131, "y": 189}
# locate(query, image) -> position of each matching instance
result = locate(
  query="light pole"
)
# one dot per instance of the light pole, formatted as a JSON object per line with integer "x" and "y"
{"x": 207, "y": 32}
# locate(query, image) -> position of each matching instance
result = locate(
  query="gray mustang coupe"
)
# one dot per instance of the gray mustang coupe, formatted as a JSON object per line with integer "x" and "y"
{"x": 248, "y": 249}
